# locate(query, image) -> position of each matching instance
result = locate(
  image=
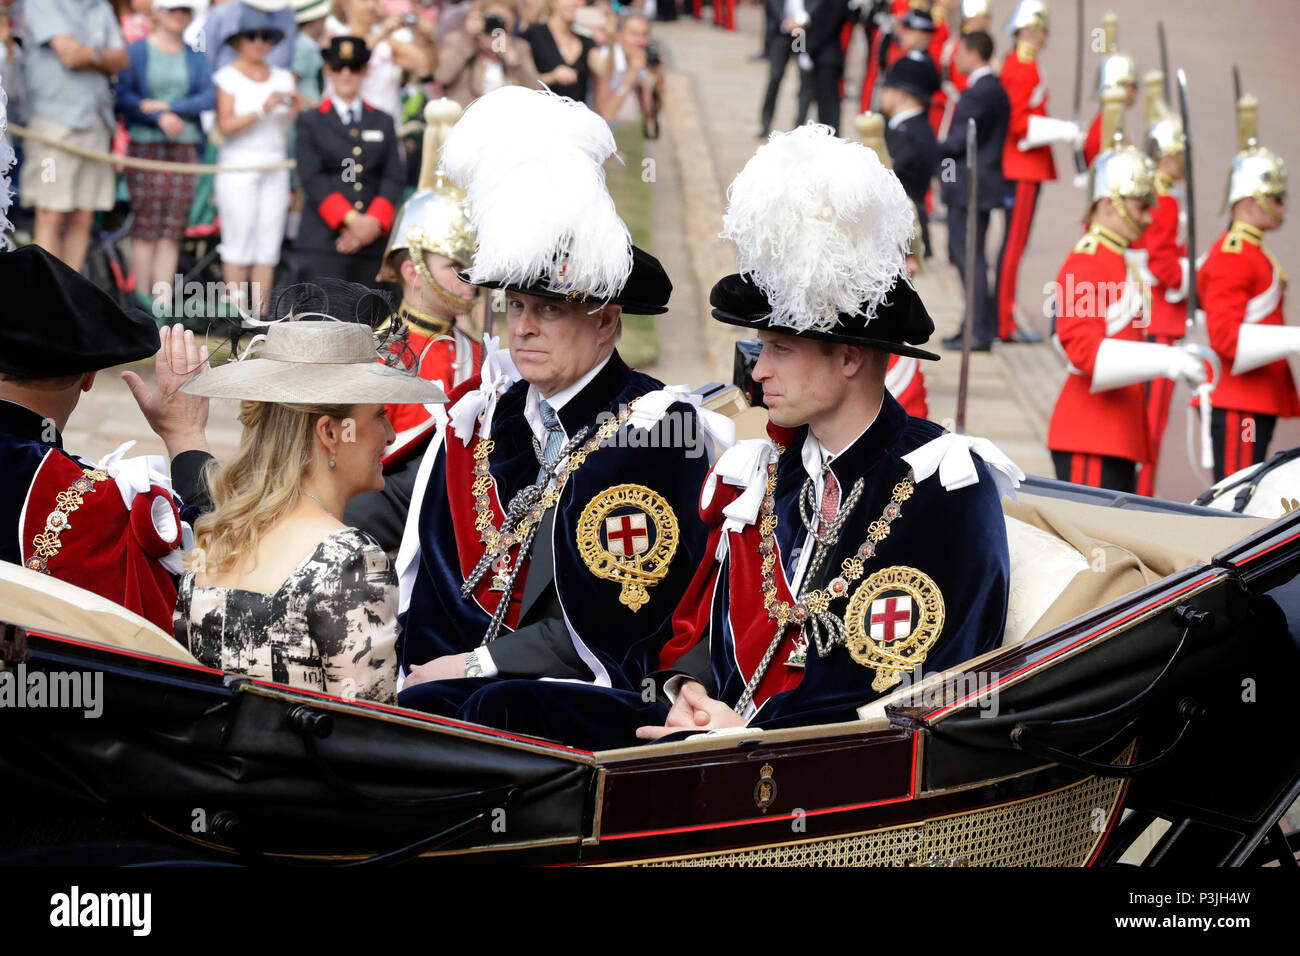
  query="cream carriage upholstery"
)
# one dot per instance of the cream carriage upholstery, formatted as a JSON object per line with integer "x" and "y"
{"x": 39, "y": 602}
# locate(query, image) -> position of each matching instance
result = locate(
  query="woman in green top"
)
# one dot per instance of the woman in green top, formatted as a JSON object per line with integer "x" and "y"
{"x": 160, "y": 96}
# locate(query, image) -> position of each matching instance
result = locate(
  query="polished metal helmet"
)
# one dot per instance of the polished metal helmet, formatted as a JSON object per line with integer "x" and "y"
{"x": 1164, "y": 129}
{"x": 1117, "y": 69}
{"x": 1120, "y": 171}
{"x": 435, "y": 218}
{"x": 1028, "y": 13}
{"x": 1257, "y": 171}
{"x": 970, "y": 9}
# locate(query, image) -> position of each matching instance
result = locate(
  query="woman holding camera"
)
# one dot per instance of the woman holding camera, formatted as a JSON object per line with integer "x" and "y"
{"x": 485, "y": 55}
{"x": 256, "y": 104}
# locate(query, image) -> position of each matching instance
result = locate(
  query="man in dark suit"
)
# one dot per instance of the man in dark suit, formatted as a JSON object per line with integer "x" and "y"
{"x": 808, "y": 30}
{"x": 352, "y": 171}
{"x": 905, "y": 99}
{"x": 985, "y": 101}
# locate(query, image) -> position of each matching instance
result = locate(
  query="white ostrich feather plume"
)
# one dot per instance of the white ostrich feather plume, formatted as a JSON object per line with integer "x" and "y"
{"x": 6, "y": 160}
{"x": 822, "y": 227}
{"x": 531, "y": 165}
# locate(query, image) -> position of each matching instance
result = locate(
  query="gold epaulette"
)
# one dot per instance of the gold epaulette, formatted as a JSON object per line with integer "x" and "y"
{"x": 1088, "y": 245}
{"x": 1231, "y": 242}
{"x": 1026, "y": 51}
{"x": 1164, "y": 184}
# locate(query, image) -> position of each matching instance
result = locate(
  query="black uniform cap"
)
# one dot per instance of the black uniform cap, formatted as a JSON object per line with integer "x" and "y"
{"x": 346, "y": 51}
{"x": 914, "y": 74}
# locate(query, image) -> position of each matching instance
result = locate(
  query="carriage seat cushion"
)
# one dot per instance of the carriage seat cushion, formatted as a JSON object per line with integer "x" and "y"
{"x": 1042, "y": 567}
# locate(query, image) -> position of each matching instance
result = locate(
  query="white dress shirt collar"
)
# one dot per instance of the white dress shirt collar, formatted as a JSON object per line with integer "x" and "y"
{"x": 905, "y": 115}
{"x": 346, "y": 110}
{"x": 533, "y": 400}
{"x": 976, "y": 75}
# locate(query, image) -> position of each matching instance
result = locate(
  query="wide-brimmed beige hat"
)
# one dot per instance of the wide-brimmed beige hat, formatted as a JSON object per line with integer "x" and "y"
{"x": 315, "y": 362}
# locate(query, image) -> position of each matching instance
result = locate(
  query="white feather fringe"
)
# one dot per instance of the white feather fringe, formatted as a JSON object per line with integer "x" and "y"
{"x": 6, "y": 160}
{"x": 821, "y": 226}
{"x": 531, "y": 164}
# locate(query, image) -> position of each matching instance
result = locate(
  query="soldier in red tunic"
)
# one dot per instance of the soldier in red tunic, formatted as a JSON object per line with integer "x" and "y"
{"x": 1160, "y": 258}
{"x": 1025, "y": 169}
{"x": 431, "y": 243}
{"x": 1098, "y": 432}
{"x": 1241, "y": 287}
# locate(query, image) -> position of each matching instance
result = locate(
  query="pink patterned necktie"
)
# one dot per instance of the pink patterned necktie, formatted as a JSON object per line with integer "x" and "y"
{"x": 830, "y": 505}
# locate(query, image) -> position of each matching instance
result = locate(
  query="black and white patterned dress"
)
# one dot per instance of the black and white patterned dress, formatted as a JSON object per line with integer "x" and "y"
{"x": 331, "y": 627}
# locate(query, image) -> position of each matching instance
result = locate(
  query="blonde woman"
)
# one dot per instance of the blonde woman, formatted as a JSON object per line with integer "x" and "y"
{"x": 280, "y": 588}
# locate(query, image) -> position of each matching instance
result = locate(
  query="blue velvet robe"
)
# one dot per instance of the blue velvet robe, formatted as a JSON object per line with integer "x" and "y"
{"x": 623, "y": 644}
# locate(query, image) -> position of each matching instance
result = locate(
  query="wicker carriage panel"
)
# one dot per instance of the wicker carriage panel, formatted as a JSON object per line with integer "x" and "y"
{"x": 1062, "y": 827}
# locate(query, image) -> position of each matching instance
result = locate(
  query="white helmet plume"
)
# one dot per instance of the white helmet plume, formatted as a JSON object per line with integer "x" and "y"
{"x": 531, "y": 165}
{"x": 822, "y": 227}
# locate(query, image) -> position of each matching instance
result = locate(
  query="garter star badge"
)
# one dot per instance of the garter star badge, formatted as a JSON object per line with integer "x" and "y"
{"x": 892, "y": 621}
{"x": 628, "y": 534}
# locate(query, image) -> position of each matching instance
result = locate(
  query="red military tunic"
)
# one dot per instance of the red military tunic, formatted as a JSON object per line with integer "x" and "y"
{"x": 1241, "y": 282}
{"x": 446, "y": 358}
{"x": 1092, "y": 142}
{"x": 1098, "y": 297}
{"x": 1161, "y": 260}
{"x": 1028, "y": 95}
{"x": 938, "y": 102}
{"x": 906, "y": 383}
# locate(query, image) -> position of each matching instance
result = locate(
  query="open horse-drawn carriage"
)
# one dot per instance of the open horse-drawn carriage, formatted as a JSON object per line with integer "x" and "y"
{"x": 1139, "y": 703}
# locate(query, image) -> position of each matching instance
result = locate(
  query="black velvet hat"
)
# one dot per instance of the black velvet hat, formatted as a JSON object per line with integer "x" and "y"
{"x": 901, "y": 321}
{"x": 346, "y": 51}
{"x": 645, "y": 292}
{"x": 57, "y": 322}
{"x": 915, "y": 75}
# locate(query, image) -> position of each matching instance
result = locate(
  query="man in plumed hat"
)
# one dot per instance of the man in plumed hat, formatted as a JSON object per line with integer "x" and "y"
{"x": 839, "y": 561}
{"x": 113, "y": 527}
{"x": 353, "y": 173}
{"x": 905, "y": 99}
{"x": 553, "y": 526}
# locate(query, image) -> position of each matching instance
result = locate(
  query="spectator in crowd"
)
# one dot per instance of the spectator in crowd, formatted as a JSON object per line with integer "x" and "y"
{"x": 394, "y": 48}
{"x": 285, "y": 590}
{"x": 73, "y": 48}
{"x": 307, "y": 62}
{"x": 530, "y": 12}
{"x": 485, "y": 55}
{"x": 985, "y": 101}
{"x": 631, "y": 76}
{"x": 256, "y": 104}
{"x": 563, "y": 58}
{"x": 223, "y": 21}
{"x": 905, "y": 99}
{"x": 133, "y": 18}
{"x": 160, "y": 96}
{"x": 784, "y": 23}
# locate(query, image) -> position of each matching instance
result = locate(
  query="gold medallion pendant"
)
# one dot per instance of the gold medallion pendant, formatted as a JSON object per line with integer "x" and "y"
{"x": 893, "y": 620}
{"x": 628, "y": 534}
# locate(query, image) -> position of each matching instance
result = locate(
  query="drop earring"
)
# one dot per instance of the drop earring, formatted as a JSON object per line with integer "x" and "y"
{"x": 331, "y": 462}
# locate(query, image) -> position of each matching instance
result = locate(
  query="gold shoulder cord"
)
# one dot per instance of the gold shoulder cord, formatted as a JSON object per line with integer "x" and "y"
{"x": 47, "y": 544}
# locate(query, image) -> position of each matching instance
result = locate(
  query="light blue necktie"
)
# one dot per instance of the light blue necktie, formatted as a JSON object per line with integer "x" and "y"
{"x": 554, "y": 436}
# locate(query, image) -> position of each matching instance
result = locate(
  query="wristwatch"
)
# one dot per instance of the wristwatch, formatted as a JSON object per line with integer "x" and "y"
{"x": 472, "y": 666}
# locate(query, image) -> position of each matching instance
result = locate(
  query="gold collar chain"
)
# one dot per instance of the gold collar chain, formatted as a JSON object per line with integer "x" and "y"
{"x": 816, "y": 604}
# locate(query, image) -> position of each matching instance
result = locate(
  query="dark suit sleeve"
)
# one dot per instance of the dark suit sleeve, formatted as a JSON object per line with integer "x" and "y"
{"x": 190, "y": 483}
{"x": 695, "y": 665}
{"x": 541, "y": 649}
{"x": 384, "y": 206}
{"x": 320, "y": 181}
